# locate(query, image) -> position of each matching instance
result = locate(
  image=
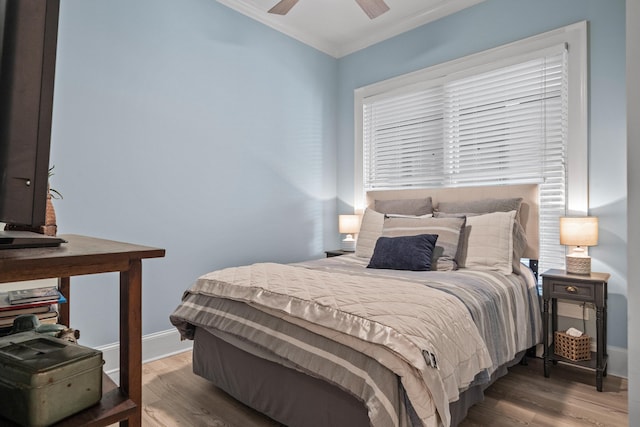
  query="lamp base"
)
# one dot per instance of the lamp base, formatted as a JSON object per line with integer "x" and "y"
{"x": 348, "y": 244}
{"x": 578, "y": 264}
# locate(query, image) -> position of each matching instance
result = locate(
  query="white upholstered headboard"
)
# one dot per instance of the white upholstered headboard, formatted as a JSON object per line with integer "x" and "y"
{"x": 529, "y": 212}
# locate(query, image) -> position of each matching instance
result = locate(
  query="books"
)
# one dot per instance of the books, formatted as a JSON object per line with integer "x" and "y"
{"x": 26, "y": 296}
{"x": 39, "y": 301}
{"x": 48, "y": 316}
{"x": 5, "y": 305}
{"x": 25, "y": 310}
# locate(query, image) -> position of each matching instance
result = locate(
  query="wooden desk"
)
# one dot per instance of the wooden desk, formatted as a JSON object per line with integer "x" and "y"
{"x": 88, "y": 255}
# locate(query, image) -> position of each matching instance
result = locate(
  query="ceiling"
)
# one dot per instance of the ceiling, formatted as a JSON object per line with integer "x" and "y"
{"x": 340, "y": 27}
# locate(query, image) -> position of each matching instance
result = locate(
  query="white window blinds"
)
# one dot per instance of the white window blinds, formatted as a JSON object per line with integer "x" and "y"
{"x": 505, "y": 125}
{"x": 403, "y": 139}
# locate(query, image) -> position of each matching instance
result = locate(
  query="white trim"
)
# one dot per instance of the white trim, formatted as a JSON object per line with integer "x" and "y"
{"x": 633, "y": 205}
{"x": 338, "y": 50}
{"x": 617, "y": 364}
{"x": 272, "y": 21}
{"x": 154, "y": 346}
{"x": 443, "y": 9}
{"x": 618, "y": 361}
{"x": 574, "y": 35}
{"x": 578, "y": 147}
{"x": 167, "y": 343}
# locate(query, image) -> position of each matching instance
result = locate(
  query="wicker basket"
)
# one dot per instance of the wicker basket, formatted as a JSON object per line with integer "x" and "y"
{"x": 572, "y": 348}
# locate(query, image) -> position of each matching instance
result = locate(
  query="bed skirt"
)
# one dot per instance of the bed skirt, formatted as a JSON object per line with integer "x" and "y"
{"x": 289, "y": 396}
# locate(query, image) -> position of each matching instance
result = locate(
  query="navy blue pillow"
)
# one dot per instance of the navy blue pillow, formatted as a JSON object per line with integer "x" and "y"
{"x": 404, "y": 252}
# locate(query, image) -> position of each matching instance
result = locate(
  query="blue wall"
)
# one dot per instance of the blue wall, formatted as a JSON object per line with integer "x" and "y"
{"x": 496, "y": 22}
{"x": 187, "y": 126}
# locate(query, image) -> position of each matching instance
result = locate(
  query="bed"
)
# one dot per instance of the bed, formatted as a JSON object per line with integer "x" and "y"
{"x": 431, "y": 309}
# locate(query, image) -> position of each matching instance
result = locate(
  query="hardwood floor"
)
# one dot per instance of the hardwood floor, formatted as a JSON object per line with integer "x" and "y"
{"x": 174, "y": 396}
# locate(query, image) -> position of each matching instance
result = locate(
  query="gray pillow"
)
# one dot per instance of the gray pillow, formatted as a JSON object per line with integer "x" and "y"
{"x": 414, "y": 207}
{"x": 483, "y": 206}
{"x": 449, "y": 231}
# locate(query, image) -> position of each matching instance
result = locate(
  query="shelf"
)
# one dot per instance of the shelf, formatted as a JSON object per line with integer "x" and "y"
{"x": 113, "y": 407}
{"x": 586, "y": 364}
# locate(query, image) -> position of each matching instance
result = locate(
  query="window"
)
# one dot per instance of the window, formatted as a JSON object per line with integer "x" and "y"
{"x": 514, "y": 114}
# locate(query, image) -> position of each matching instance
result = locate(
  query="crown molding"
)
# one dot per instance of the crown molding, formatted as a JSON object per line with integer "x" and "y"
{"x": 273, "y": 22}
{"x": 338, "y": 50}
{"x": 440, "y": 11}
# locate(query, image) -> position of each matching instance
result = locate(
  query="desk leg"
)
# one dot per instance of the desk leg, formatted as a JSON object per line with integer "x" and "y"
{"x": 131, "y": 338}
{"x": 64, "y": 286}
{"x": 545, "y": 336}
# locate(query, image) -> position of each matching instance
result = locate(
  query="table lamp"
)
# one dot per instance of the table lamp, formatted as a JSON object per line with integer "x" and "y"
{"x": 349, "y": 225}
{"x": 579, "y": 232}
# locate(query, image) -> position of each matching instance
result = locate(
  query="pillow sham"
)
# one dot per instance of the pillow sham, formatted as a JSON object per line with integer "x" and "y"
{"x": 415, "y": 207}
{"x": 404, "y": 252}
{"x": 520, "y": 244}
{"x": 448, "y": 230}
{"x": 483, "y": 206}
{"x": 370, "y": 230}
{"x": 489, "y": 242}
{"x": 519, "y": 238}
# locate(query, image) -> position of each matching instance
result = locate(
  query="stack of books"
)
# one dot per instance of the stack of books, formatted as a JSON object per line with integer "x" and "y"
{"x": 39, "y": 301}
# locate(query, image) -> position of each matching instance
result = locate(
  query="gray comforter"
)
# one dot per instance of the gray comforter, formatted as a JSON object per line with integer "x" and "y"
{"x": 439, "y": 332}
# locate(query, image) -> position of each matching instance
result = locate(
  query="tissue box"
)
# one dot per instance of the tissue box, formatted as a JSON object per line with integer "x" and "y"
{"x": 572, "y": 348}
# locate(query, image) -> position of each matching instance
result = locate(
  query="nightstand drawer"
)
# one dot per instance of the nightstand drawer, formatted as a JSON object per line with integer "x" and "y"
{"x": 572, "y": 290}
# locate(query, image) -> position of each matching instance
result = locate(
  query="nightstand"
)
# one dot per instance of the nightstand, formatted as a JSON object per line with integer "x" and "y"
{"x": 592, "y": 288}
{"x": 337, "y": 252}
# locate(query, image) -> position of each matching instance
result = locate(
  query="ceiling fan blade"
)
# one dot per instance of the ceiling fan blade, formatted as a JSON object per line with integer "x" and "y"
{"x": 283, "y": 7}
{"x": 373, "y": 8}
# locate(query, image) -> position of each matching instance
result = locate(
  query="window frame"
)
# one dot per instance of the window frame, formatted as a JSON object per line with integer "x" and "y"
{"x": 574, "y": 36}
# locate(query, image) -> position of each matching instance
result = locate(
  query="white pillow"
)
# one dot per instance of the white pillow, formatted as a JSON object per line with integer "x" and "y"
{"x": 489, "y": 242}
{"x": 370, "y": 230}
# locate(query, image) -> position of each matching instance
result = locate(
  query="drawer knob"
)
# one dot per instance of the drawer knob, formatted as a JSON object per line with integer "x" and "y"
{"x": 571, "y": 289}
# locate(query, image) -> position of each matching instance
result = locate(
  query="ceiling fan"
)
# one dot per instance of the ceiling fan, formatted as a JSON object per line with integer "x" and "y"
{"x": 373, "y": 8}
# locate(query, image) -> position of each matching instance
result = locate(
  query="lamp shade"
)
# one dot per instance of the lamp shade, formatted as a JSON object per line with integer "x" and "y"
{"x": 579, "y": 231}
{"x": 348, "y": 224}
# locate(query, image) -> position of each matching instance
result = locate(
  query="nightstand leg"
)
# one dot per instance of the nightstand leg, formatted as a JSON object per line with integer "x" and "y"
{"x": 554, "y": 323}
{"x": 600, "y": 347}
{"x": 604, "y": 334}
{"x": 545, "y": 337}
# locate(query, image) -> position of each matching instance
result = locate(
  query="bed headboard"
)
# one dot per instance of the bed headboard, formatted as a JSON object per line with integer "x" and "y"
{"x": 529, "y": 211}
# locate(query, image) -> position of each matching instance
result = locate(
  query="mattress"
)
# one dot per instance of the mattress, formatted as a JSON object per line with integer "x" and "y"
{"x": 405, "y": 345}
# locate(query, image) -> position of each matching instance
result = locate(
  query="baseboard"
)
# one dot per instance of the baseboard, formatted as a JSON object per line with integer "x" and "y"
{"x": 154, "y": 346}
{"x": 618, "y": 361}
{"x": 617, "y": 364}
{"x": 167, "y": 343}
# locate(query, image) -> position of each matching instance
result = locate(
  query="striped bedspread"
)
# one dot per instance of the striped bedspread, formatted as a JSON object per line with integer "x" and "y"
{"x": 439, "y": 332}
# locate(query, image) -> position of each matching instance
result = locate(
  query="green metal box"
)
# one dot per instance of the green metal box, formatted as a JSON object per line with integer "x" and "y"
{"x": 45, "y": 379}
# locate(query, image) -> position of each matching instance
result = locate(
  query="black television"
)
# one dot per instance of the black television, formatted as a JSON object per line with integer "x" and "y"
{"x": 28, "y": 41}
